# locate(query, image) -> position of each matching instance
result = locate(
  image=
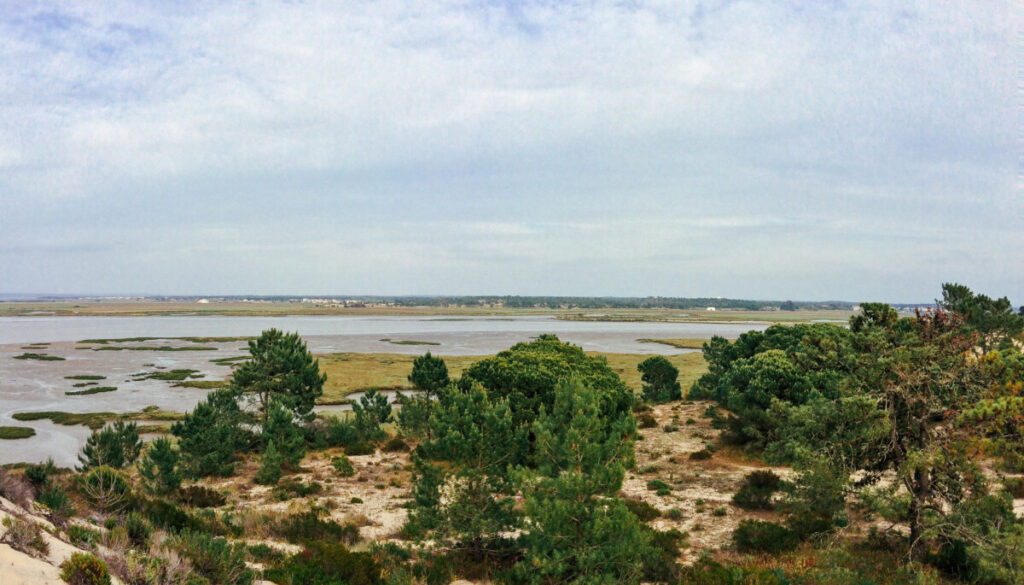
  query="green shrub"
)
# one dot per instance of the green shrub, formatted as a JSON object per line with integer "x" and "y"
{"x": 199, "y": 496}
{"x": 758, "y": 536}
{"x": 645, "y": 420}
{"x": 308, "y": 527}
{"x": 39, "y": 474}
{"x": 261, "y": 553}
{"x": 707, "y": 572}
{"x": 168, "y": 515}
{"x": 702, "y": 455}
{"x": 343, "y": 466}
{"x": 657, "y": 484}
{"x": 339, "y": 433}
{"x": 660, "y": 380}
{"x": 293, "y": 488}
{"x": 115, "y": 446}
{"x": 757, "y": 490}
{"x": 270, "y": 466}
{"x": 1015, "y": 486}
{"x": 395, "y": 445}
{"x": 661, "y": 565}
{"x": 356, "y": 449}
{"x": 641, "y": 509}
{"x": 82, "y": 537}
{"x": 56, "y": 499}
{"x": 324, "y": 563}
{"x": 84, "y": 569}
{"x": 138, "y": 529}
{"x": 213, "y": 557}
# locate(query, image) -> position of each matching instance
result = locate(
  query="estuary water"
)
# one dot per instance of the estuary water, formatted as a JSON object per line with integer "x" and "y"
{"x": 32, "y": 385}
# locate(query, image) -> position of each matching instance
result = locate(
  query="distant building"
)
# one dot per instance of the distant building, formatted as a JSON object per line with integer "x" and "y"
{"x": 711, "y": 309}
{"x": 203, "y": 301}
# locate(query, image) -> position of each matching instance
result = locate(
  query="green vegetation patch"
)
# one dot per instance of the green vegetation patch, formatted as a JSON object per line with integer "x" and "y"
{"x": 409, "y": 342}
{"x": 96, "y": 420}
{"x": 148, "y": 348}
{"x": 227, "y": 361}
{"x": 39, "y": 356}
{"x": 168, "y": 376}
{"x": 189, "y": 339}
{"x": 16, "y": 432}
{"x": 87, "y": 391}
{"x": 84, "y": 384}
{"x": 680, "y": 342}
{"x": 85, "y": 377}
{"x": 202, "y": 384}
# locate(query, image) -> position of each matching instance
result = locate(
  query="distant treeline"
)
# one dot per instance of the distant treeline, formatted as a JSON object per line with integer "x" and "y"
{"x": 555, "y": 302}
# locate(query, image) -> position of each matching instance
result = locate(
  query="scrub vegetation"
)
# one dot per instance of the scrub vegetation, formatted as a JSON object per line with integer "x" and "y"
{"x": 16, "y": 432}
{"x": 888, "y": 451}
{"x": 94, "y": 390}
{"x": 39, "y": 356}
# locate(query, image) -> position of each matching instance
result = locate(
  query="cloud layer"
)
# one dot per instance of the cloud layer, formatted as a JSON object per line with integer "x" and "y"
{"x": 746, "y": 149}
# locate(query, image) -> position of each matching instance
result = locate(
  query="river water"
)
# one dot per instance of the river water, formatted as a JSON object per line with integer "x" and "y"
{"x": 31, "y": 385}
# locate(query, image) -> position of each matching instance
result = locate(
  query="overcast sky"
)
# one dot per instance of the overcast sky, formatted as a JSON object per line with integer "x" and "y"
{"x": 770, "y": 150}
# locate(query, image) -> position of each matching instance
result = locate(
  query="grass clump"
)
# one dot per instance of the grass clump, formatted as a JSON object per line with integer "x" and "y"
{"x": 11, "y": 433}
{"x": 85, "y": 377}
{"x": 758, "y": 536}
{"x": 307, "y": 527}
{"x": 641, "y": 509}
{"x": 39, "y": 356}
{"x": 343, "y": 466}
{"x": 757, "y": 490}
{"x": 95, "y": 390}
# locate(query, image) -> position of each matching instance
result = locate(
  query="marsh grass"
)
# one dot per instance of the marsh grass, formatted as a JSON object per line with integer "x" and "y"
{"x": 680, "y": 342}
{"x": 227, "y": 361}
{"x": 39, "y": 356}
{"x": 16, "y": 432}
{"x": 85, "y": 377}
{"x": 169, "y": 376}
{"x": 149, "y": 348}
{"x": 189, "y": 339}
{"x": 202, "y": 384}
{"x": 408, "y": 342}
{"x": 95, "y": 420}
{"x": 87, "y": 391}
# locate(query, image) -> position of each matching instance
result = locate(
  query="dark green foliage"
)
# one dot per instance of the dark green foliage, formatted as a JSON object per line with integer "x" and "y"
{"x": 643, "y": 511}
{"x": 308, "y": 528}
{"x": 82, "y": 537}
{"x": 660, "y": 566}
{"x": 114, "y": 445}
{"x": 294, "y": 488}
{"x": 167, "y": 515}
{"x": 343, "y": 466}
{"x": 815, "y": 502}
{"x": 210, "y": 436}
{"x": 198, "y": 496}
{"x": 371, "y": 411}
{"x": 993, "y": 320}
{"x": 336, "y": 432}
{"x": 325, "y": 563}
{"x": 261, "y": 553}
{"x": 281, "y": 369}
{"x": 55, "y": 498}
{"x": 579, "y": 531}
{"x": 528, "y": 373}
{"x": 280, "y": 430}
{"x": 475, "y": 439}
{"x": 219, "y": 561}
{"x": 395, "y": 445}
{"x": 702, "y": 455}
{"x": 414, "y": 417}
{"x": 707, "y": 572}
{"x": 270, "y": 465}
{"x": 39, "y": 474}
{"x": 158, "y": 468}
{"x": 757, "y": 536}
{"x": 429, "y": 374}
{"x": 757, "y": 491}
{"x": 357, "y": 449}
{"x": 84, "y": 569}
{"x": 660, "y": 380}
{"x": 138, "y": 529}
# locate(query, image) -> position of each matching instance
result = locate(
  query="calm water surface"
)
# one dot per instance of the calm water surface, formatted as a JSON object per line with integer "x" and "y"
{"x": 30, "y": 385}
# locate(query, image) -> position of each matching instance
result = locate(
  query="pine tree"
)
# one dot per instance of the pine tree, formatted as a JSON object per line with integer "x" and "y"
{"x": 114, "y": 445}
{"x": 429, "y": 374}
{"x": 270, "y": 467}
{"x": 158, "y": 468}
{"x": 578, "y": 531}
{"x": 660, "y": 380}
{"x": 210, "y": 435}
{"x": 281, "y": 431}
{"x": 281, "y": 369}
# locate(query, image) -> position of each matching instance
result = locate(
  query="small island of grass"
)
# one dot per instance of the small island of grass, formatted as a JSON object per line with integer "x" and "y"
{"x": 96, "y": 390}
{"x": 39, "y": 356}
{"x": 408, "y": 342}
{"x": 16, "y": 432}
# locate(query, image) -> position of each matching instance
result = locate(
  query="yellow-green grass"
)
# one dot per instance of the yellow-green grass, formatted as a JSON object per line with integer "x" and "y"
{"x": 680, "y": 342}
{"x": 16, "y": 432}
{"x": 95, "y": 420}
{"x": 354, "y": 372}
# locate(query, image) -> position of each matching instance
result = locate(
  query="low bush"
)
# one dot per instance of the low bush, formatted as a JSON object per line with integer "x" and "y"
{"x": 657, "y": 484}
{"x": 356, "y": 449}
{"x": 261, "y": 553}
{"x": 395, "y": 445}
{"x": 199, "y": 496}
{"x": 293, "y": 488}
{"x": 308, "y": 527}
{"x": 84, "y": 569}
{"x": 213, "y": 557}
{"x": 1014, "y": 486}
{"x": 645, "y": 420}
{"x": 323, "y": 563}
{"x": 757, "y": 491}
{"x": 343, "y": 466}
{"x": 39, "y": 474}
{"x": 758, "y": 536}
{"x": 138, "y": 529}
{"x": 707, "y": 572}
{"x": 168, "y": 515}
{"x": 82, "y": 537}
{"x": 641, "y": 509}
{"x": 26, "y": 536}
{"x": 702, "y": 455}
{"x": 661, "y": 566}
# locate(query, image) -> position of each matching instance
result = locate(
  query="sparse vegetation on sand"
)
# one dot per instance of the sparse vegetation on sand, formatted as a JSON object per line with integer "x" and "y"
{"x": 16, "y": 432}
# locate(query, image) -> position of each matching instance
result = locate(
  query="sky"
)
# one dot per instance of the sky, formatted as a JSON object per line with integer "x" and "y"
{"x": 821, "y": 150}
